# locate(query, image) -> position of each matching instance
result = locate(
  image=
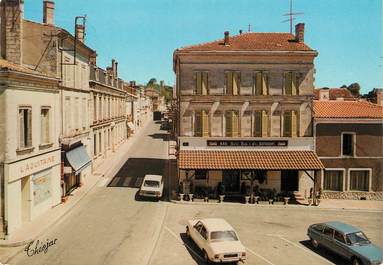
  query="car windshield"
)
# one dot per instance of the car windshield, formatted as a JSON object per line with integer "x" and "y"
{"x": 357, "y": 238}
{"x": 223, "y": 236}
{"x": 151, "y": 183}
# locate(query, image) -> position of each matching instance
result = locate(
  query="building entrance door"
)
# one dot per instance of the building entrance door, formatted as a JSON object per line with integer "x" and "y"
{"x": 25, "y": 199}
{"x": 289, "y": 180}
{"x": 231, "y": 179}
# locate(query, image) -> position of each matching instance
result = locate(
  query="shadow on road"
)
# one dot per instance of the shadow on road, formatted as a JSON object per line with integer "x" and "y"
{"x": 325, "y": 253}
{"x": 132, "y": 173}
{"x": 163, "y": 136}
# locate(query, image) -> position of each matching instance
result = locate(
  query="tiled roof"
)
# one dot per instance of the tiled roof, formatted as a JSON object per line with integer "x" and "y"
{"x": 235, "y": 159}
{"x": 347, "y": 109}
{"x": 335, "y": 93}
{"x": 6, "y": 65}
{"x": 253, "y": 42}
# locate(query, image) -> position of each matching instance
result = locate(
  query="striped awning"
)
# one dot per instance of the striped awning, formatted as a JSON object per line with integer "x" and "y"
{"x": 234, "y": 159}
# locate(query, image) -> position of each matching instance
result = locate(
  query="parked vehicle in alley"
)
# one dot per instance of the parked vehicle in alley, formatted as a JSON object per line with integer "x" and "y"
{"x": 346, "y": 241}
{"x": 152, "y": 186}
{"x": 217, "y": 240}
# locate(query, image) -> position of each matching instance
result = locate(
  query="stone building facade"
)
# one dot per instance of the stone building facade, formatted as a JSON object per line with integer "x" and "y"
{"x": 249, "y": 92}
{"x": 349, "y": 140}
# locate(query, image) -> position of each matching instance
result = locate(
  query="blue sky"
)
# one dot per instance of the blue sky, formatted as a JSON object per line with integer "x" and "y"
{"x": 142, "y": 34}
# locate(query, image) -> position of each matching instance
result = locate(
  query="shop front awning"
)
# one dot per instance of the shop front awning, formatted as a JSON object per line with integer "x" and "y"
{"x": 234, "y": 159}
{"x": 78, "y": 158}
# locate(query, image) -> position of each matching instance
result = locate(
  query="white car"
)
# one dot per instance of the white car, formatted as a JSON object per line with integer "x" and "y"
{"x": 152, "y": 186}
{"x": 217, "y": 240}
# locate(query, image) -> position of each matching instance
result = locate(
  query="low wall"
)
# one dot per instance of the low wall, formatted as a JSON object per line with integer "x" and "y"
{"x": 349, "y": 195}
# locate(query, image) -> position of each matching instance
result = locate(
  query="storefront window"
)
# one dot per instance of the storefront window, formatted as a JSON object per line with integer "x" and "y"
{"x": 359, "y": 180}
{"x": 200, "y": 174}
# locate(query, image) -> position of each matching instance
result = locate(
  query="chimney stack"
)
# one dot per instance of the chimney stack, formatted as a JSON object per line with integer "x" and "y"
{"x": 114, "y": 68}
{"x": 12, "y": 15}
{"x": 226, "y": 41}
{"x": 49, "y": 12}
{"x": 300, "y": 32}
{"x": 240, "y": 32}
{"x": 80, "y": 32}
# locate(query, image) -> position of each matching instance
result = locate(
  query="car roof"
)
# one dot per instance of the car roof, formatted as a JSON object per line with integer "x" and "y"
{"x": 342, "y": 227}
{"x": 153, "y": 177}
{"x": 216, "y": 224}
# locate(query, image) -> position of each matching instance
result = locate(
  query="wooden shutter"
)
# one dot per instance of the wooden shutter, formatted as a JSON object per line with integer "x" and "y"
{"x": 258, "y": 123}
{"x": 229, "y": 83}
{"x": 294, "y": 124}
{"x": 258, "y": 83}
{"x": 288, "y": 89}
{"x": 229, "y": 124}
{"x": 235, "y": 126}
{"x": 21, "y": 129}
{"x": 199, "y": 83}
{"x": 29, "y": 128}
{"x": 198, "y": 124}
{"x": 293, "y": 84}
{"x": 265, "y": 85}
{"x": 265, "y": 122}
{"x": 204, "y": 83}
{"x": 287, "y": 124}
{"x": 205, "y": 124}
{"x": 236, "y": 83}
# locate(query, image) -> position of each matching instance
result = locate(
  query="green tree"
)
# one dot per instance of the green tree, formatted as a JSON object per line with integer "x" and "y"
{"x": 354, "y": 88}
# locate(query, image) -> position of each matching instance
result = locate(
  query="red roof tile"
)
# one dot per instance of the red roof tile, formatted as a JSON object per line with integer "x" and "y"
{"x": 347, "y": 109}
{"x": 253, "y": 42}
{"x": 235, "y": 159}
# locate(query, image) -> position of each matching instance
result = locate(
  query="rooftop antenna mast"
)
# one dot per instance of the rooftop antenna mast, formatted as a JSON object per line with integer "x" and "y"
{"x": 291, "y": 16}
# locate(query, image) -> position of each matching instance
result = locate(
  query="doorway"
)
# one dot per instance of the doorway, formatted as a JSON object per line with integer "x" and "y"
{"x": 231, "y": 179}
{"x": 25, "y": 199}
{"x": 289, "y": 180}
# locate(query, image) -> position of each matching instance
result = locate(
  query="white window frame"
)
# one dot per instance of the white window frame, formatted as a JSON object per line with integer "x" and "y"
{"x": 359, "y": 169}
{"x": 354, "y": 144}
{"x": 343, "y": 179}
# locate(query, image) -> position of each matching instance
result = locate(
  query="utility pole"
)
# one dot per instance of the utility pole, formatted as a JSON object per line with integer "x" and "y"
{"x": 291, "y": 16}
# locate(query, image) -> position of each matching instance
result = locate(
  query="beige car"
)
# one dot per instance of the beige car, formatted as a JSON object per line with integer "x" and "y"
{"x": 217, "y": 240}
{"x": 152, "y": 186}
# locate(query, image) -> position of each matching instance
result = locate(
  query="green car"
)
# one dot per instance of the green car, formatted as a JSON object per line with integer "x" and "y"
{"x": 346, "y": 241}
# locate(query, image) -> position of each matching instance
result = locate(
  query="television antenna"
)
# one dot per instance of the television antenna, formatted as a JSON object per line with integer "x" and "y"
{"x": 291, "y": 16}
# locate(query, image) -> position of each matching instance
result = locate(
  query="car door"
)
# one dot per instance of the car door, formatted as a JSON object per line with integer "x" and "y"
{"x": 328, "y": 238}
{"x": 316, "y": 232}
{"x": 340, "y": 246}
{"x": 196, "y": 235}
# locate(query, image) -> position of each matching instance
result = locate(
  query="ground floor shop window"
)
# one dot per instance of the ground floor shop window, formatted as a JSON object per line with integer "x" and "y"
{"x": 200, "y": 174}
{"x": 359, "y": 180}
{"x": 333, "y": 180}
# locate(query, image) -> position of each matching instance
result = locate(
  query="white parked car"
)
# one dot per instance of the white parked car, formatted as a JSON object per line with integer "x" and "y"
{"x": 217, "y": 240}
{"x": 152, "y": 186}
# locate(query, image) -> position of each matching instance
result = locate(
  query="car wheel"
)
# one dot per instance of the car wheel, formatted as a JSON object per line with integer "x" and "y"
{"x": 187, "y": 232}
{"x": 356, "y": 261}
{"x": 314, "y": 243}
{"x": 206, "y": 257}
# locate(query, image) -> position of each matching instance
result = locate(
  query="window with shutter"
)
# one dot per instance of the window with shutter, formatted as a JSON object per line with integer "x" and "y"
{"x": 205, "y": 83}
{"x": 45, "y": 126}
{"x": 28, "y": 127}
{"x": 287, "y": 124}
{"x": 205, "y": 123}
{"x": 198, "y": 83}
{"x": 258, "y": 84}
{"x": 235, "y": 122}
{"x": 198, "y": 124}
{"x": 236, "y": 83}
{"x": 228, "y": 124}
{"x": 294, "y": 124}
{"x": 265, "y": 84}
{"x": 288, "y": 84}
{"x": 265, "y": 121}
{"x": 229, "y": 83}
{"x": 293, "y": 84}
{"x": 21, "y": 129}
{"x": 258, "y": 123}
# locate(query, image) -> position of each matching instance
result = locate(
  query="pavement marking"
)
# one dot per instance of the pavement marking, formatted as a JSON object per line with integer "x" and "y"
{"x": 302, "y": 248}
{"x": 182, "y": 243}
{"x": 259, "y": 256}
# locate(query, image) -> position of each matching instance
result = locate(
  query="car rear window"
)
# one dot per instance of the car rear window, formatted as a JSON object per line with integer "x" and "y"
{"x": 151, "y": 183}
{"x": 223, "y": 236}
{"x": 318, "y": 228}
{"x": 328, "y": 231}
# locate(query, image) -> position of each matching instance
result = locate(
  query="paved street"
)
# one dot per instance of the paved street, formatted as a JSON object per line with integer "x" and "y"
{"x": 111, "y": 225}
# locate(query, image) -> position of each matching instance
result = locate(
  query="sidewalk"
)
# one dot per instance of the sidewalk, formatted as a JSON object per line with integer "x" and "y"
{"x": 32, "y": 230}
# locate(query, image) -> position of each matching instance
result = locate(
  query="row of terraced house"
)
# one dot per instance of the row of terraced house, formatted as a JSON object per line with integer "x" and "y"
{"x": 61, "y": 115}
{"x": 247, "y": 112}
